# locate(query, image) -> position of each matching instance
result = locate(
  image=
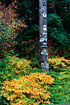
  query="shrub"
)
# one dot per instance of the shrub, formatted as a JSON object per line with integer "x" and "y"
{"x": 54, "y": 63}
{"x": 58, "y": 62}
{"x": 14, "y": 66}
{"x": 28, "y": 90}
{"x": 9, "y": 26}
{"x": 60, "y": 91}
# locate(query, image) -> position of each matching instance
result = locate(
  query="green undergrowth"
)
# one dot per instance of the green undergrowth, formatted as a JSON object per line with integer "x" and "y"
{"x": 12, "y": 68}
{"x": 60, "y": 89}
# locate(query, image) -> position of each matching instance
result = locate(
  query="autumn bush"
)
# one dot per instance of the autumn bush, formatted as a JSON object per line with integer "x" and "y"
{"x": 59, "y": 62}
{"x": 13, "y": 67}
{"x": 55, "y": 63}
{"x": 28, "y": 90}
{"x": 9, "y": 26}
{"x": 19, "y": 82}
{"x": 60, "y": 71}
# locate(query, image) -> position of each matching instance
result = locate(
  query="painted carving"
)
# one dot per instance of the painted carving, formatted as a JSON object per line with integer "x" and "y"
{"x": 43, "y": 39}
{"x": 43, "y": 2}
{"x": 42, "y": 64}
{"x": 44, "y": 33}
{"x": 44, "y": 15}
{"x": 44, "y": 28}
{"x": 46, "y": 63}
{"x": 44, "y": 51}
{"x": 44, "y": 43}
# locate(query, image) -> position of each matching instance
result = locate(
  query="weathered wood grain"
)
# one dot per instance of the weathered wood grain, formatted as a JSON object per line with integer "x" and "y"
{"x": 43, "y": 35}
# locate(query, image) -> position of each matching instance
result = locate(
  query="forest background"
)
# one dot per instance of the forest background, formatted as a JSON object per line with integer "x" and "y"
{"x": 19, "y": 45}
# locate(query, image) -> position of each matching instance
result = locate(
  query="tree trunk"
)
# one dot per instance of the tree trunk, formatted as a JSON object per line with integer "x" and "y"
{"x": 43, "y": 35}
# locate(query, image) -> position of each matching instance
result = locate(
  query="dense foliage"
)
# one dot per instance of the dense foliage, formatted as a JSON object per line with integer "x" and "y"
{"x": 21, "y": 80}
{"x": 22, "y": 84}
{"x": 27, "y": 89}
{"x": 58, "y": 27}
{"x": 9, "y": 27}
{"x": 58, "y": 33}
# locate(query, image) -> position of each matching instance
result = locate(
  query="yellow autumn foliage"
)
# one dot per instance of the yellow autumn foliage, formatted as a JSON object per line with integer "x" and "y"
{"x": 18, "y": 65}
{"x": 28, "y": 88}
{"x": 59, "y": 62}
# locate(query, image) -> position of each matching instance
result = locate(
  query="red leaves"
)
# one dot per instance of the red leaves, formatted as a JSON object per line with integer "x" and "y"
{"x": 10, "y": 24}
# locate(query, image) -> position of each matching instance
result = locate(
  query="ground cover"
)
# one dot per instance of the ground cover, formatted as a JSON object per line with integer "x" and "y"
{"x": 21, "y": 84}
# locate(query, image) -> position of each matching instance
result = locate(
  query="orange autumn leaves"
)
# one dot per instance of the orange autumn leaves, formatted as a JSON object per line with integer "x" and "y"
{"x": 58, "y": 62}
{"x": 21, "y": 91}
{"x": 9, "y": 24}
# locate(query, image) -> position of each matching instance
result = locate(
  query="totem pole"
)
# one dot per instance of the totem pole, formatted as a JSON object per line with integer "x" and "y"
{"x": 43, "y": 35}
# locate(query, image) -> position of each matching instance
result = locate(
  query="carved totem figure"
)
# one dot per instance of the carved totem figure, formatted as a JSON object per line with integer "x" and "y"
{"x": 43, "y": 35}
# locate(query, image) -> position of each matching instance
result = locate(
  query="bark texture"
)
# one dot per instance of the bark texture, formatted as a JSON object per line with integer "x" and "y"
{"x": 43, "y": 35}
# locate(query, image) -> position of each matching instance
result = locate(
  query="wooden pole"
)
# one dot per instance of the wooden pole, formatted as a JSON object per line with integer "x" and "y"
{"x": 43, "y": 35}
